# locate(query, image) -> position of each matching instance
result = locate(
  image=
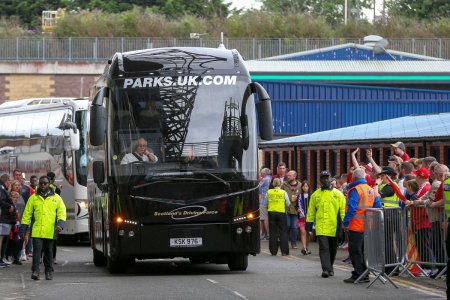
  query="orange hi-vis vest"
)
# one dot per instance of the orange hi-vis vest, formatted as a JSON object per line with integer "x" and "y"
{"x": 366, "y": 199}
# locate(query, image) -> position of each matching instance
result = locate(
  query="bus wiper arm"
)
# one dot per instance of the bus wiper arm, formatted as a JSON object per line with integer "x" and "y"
{"x": 164, "y": 177}
{"x": 226, "y": 183}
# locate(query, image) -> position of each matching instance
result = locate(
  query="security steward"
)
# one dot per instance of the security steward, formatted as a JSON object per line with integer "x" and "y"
{"x": 446, "y": 188}
{"x": 49, "y": 214}
{"x": 384, "y": 189}
{"x": 359, "y": 197}
{"x": 277, "y": 201}
{"x": 388, "y": 199}
{"x": 327, "y": 204}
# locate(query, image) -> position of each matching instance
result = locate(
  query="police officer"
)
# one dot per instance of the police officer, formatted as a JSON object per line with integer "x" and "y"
{"x": 278, "y": 200}
{"x": 327, "y": 204}
{"x": 49, "y": 213}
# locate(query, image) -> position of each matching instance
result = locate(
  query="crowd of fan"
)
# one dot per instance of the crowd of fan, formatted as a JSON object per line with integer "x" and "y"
{"x": 15, "y": 240}
{"x": 415, "y": 184}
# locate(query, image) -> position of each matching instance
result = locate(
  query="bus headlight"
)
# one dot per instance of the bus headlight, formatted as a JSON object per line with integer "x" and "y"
{"x": 83, "y": 204}
{"x": 248, "y": 229}
{"x": 239, "y": 230}
{"x": 247, "y": 217}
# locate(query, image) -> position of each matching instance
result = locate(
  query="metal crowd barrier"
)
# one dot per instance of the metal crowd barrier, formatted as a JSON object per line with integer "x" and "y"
{"x": 395, "y": 240}
{"x": 426, "y": 240}
{"x": 375, "y": 246}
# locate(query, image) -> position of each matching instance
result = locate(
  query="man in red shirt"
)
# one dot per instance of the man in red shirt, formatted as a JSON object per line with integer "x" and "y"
{"x": 399, "y": 149}
{"x": 281, "y": 172}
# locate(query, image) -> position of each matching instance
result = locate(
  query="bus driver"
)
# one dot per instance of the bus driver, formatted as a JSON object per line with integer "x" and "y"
{"x": 141, "y": 153}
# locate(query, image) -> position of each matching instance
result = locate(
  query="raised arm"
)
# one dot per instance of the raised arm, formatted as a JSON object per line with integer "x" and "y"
{"x": 375, "y": 166}
{"x": 354, "y": 160}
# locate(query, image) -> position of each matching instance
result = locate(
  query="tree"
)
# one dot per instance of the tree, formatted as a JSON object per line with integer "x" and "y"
{"x": 419, "y": 9}
{"x": 331, "y": 10}
{"x": 29, "y": 11}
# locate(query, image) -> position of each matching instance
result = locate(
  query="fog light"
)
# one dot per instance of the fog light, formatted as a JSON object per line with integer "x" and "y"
{"x": 248, "y": 229}
{"x": 131, "y": 233}
{"x": 239, "y": 230}
{"x": 121, "y": 232}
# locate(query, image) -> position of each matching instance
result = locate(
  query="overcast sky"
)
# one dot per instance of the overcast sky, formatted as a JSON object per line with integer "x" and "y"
{"x": 245, "y": 3}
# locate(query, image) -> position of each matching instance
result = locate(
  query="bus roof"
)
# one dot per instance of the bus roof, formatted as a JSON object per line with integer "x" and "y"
{"x": 35, "y": 103}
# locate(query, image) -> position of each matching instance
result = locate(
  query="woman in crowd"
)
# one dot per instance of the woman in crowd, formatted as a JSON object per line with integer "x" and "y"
{"x": 303, "y": 200}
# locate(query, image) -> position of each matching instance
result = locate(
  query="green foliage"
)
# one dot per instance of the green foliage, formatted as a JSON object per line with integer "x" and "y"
{"x": 10, "y": 27}
{"x": 28, "y": 11}
{"x": 178, "y": 18}
{"x": 423, "y": 10}
{"x": 331, "y": 10}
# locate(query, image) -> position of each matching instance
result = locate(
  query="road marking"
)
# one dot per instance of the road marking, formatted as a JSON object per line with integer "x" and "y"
{"x": 66, "y": 250}
{"x": 227, "y": 289}
{"x": 65, "y": 263}
{"x": 72, "y": 283}
{"x": 23, "y": 281}
{"x": 398, "y": 280}
{"x": 212, "y": 281}
{"x": 240, "y": 295}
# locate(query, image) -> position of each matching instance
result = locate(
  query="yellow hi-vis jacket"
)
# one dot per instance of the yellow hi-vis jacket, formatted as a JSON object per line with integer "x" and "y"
{"x": 46, "y": 211}
{"x": 275, "y": 200}
{"x": 323, "y": 209}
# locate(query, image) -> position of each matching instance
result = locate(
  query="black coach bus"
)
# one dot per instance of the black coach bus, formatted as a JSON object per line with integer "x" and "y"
{"x": 195, "y": 110}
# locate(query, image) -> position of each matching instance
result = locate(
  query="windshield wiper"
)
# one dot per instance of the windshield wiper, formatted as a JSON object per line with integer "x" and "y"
{"x": 165, "y": 177}
{"x": 226, "y": 183}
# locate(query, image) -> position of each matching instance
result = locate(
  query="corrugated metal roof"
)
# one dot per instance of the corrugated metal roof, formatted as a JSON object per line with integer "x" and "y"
{"x": 343, "y": 66}
{"x": 315, "y": 52}
{"x": 423, "y": 126}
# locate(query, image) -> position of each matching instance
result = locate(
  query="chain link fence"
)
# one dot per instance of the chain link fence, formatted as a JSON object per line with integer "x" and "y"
{"x": 100, "y": 49}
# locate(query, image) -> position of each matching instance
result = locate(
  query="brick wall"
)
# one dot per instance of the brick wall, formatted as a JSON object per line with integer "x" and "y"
{"x": 73, "y": 85}
{"x": 28, "y": 86}
{"x": 13, "y": 87}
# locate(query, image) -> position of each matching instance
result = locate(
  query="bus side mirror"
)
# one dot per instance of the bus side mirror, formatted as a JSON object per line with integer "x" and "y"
{"x": 74, "y": 140}
{"x": 98, "y": 118}
{"x": 264, "y": 109}
{"x": 99, "y": 172}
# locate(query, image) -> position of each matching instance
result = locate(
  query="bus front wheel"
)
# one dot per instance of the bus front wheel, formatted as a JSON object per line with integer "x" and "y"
{"x": 116, "y": 266}
{"x": 238, "y": 262}
{"x": 99, "y": 258}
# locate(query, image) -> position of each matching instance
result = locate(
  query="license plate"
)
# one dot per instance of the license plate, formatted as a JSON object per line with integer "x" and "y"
{"x": 186, "y": 242}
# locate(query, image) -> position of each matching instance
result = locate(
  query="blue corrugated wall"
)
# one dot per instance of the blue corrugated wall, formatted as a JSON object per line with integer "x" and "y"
{"x": 306, "y": 108}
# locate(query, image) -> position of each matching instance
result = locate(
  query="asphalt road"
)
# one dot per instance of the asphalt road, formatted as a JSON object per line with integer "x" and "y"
{"x": 267, "y": 277}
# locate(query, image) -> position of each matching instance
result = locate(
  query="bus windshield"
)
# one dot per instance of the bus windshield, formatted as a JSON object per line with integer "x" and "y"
{"x": 194, "y": 131}
{"x": 81, "y": 158}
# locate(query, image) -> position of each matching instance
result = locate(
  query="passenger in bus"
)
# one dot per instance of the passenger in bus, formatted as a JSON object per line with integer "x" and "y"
{"x": 141, "y": 153}
{"x": 149, "y": 118}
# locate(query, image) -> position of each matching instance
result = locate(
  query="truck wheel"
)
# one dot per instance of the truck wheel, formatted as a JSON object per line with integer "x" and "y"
{"x": 238, "y": 262}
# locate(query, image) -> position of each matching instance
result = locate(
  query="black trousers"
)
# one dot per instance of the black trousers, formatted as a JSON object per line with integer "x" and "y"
{"x": 356, "y": 251}
{"x": 39, "y": 246}
{"x": 278, "y": 233}
{"x": 327, "y": 251}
